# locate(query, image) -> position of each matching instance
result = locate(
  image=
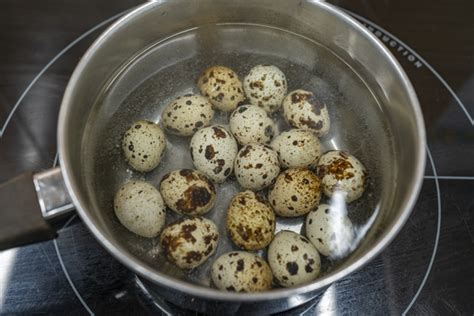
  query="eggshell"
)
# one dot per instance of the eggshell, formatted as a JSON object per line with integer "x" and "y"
{"x": 189, "y": 242}
{"x": 250, "y": 221}
{"x": 297, "y": 148}
{"x": 265, "y": 86}
{"x": 293, "y": 259}
{"x": 223, "y": 88}
{"x": 187, "y": 114}
{"x": 241, "y": 271}
{"x": 256, "y": 167}
{"x": 339, "y": 170}
{"x": 296, "y": 192}
{"x": 144, "y": 145}
{"x": 330, "y": 231}
{"x": 140, "y": 208}
{"x": 188, "y": 192}
{"x": 251, "y": 124}
{"x": 302, "y": 109}
{"x": 213, "y": 150}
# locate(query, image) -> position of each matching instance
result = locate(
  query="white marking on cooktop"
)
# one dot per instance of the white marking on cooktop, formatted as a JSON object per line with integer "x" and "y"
{"x": 17, "y": 104}
{"x": 449, "y": 178}
{"x": 435, "y": 173}
{"x": 60, "y": 258}
{"x": 69, "y": 221}
{"x": 56, "y": 157}
{"x": 438, "y": 230}
{"x": 48, "y": 65}
{"x": 463, "y": 107}
{"x": 309, "y": 310}
{"x": 73, "y": 287}
{"x": 158, "y": 302}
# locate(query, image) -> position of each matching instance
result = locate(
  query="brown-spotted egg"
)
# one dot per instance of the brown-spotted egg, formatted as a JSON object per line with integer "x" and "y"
{"x": 189, "y": 242}
{"x": 297, "y": 148}
{"x": 188, "y": 192}
{"x": 256, "y": 167}
{"x": 223, "y": 88}
{"x": 140, "y": 208}
{"x": 143, "y": 145}
{"x": 240, "y": 271}
{"x": 187, "y": 114}
{"x": 341, "y": 171}
{"x": 295, "y": 192}
{"x": 250, "y": 221}
{"x": 265, "y": 86}
{"x": 251, "y": 124}
{"x": 330, "y": 231}
{"x": 302, "y": 110}
{"x": 293, "y": 259}
{"x": 213, "y": 150}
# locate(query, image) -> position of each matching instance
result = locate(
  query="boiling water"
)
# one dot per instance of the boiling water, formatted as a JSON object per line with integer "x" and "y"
{"x": 148, "y": 82}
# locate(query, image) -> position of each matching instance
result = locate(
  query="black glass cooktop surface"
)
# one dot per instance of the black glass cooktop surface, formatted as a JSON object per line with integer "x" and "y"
{"x": 427, "y": 270}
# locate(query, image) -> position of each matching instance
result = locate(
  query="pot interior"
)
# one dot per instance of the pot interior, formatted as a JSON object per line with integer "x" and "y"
{"x": 158, "y": 54}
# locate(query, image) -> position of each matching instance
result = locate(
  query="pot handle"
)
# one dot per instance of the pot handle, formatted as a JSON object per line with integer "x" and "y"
{"x": 30, "y": 206}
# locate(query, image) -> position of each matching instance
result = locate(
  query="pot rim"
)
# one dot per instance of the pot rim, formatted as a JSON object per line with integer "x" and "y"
{"x": 162, "y": 279}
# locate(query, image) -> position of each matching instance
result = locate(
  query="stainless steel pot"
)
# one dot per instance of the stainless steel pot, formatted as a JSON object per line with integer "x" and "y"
{"x": 83, "y": 119}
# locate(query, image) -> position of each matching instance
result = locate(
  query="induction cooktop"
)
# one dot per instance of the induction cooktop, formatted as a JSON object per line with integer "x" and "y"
{"x": 426, "y": 270}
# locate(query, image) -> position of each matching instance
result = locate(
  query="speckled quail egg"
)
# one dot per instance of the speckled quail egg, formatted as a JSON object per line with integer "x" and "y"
{"x": 251, "y": 124}
{"x": 297, "y": 148}
{"x": 144, "y": 145}
{"x": 302, "y": 110}
{"x": 213, "y": 150}
{"x": 330, "y": 230}
{"x": 250, "y": 221}
{"x": 296, "y": 192}
{"x": 139, "y": 207}
{"x": 265, "y": 86}
{"x": 341, "y": 171}
{"x": 223, "y": 87}
{"x": 256, "y": 167}
{"x": 293, "y": 259}
{"x": 188, "y": 192}
{"x": 240, "y": 271}
{"x": 186, "y": 114}
{"x": 190, "y": 241}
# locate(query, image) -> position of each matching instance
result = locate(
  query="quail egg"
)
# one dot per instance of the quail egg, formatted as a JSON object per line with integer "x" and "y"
{"x": 241, "y": 271}
{"x": 186, "y": 114}
{"x": 144, "y": 145}
{"x": 251, "y": 124}
{"x": 265, "y": 86}
{"x": 341, "y": 171}
{"x": 213, "y": 150}
{"x": 256, "y": 167}
{"x": 302, "y": 110}
{"x": 140, "y": 208}
{"x": 190, "y": 241}
{"x": 297, "y": 148}
{"x": 330, "y": 231}
{"x": 250, "y": 221}
{"x": 296, "y": 192}
{"x": 223, "y": 88}
{"x": 293, "y": 259}
{"x": 188, "y": 192}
